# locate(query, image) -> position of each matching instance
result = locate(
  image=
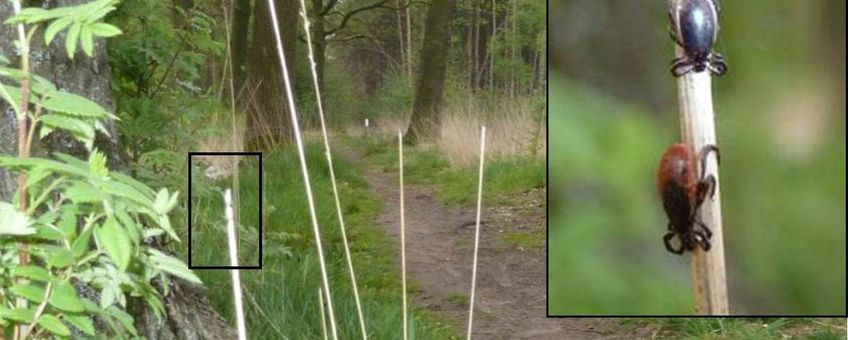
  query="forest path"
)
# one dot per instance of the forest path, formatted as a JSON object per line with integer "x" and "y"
{"x": 510, "y": 293}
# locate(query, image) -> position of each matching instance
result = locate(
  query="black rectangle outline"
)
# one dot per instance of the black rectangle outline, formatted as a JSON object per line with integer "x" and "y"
{"x": 188, "y": 206}
{"x": 547, "y": 228}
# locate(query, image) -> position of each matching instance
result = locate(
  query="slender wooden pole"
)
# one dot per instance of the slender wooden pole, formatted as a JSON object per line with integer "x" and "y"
{"x": 231, "y": 239}
{"x": 402, "y": 233}
{"x": 323, "y": 314}
{"x": 476, "y": 231}
{"x": 697, "y": 128}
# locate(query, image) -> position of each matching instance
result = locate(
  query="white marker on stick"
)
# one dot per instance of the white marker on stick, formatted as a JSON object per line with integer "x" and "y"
{"x": 231, "y": 237}
{"x": 476, "y": 231}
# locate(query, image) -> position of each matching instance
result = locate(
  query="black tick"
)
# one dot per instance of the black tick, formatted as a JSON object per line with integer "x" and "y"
{"x": 694, "y": 26}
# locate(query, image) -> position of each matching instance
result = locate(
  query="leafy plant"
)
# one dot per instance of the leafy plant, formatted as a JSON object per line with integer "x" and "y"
{"x": 156, "y": 75}
{"x": 75, "y": 224}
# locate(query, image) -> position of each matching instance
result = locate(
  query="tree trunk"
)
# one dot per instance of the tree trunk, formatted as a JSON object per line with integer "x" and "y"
{"x": 319, "y": 48}
{"x": 400, "y": 30}
{"x": 492, "y": 47}
{"x": 269, "y": 120}
{"x": 475, "y": 44}
{"x": 408, "y": 41}
{"x": 469, "y": 43}
{"x": 238, "y": 44}
{"x": 190, "y": 315}
{"x": 425, "y": 123}
{"x": 512, "y": 86}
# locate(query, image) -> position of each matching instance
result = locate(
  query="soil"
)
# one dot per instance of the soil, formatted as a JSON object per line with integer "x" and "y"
{"x": 510, "y": 291}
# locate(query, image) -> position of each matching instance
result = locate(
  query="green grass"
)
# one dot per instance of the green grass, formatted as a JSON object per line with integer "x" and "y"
{"x": 459, "y": 299}
{"x": 751, "y": 329}
{"x": 533, "y": 239}
{"x": 209, "y": 233}
{"x": 455, "y": 185}
{"x": 281, "y": 300}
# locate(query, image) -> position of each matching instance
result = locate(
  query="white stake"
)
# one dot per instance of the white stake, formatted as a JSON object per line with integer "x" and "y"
{"x": 333, "y": 173}
{"x": 323, "y": 313}
{"x": 697, "y": 128}
{"x": 231, "y": 237}
{"x": 303, "y": 168}
{"x": 477, "y": 231}
{"x": 402, "y": 232}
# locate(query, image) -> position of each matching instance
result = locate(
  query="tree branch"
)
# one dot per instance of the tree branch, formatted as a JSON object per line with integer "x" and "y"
{"x": 352, "y": 13}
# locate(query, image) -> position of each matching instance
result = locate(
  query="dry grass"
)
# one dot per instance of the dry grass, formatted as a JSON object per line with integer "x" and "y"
{"x": 232, "y": 141}
{"x": 514, "y": 129}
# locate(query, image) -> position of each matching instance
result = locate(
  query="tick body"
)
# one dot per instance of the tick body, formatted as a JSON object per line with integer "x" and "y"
{"x": 683, "y": 190}
{"x": 694, "y": 26}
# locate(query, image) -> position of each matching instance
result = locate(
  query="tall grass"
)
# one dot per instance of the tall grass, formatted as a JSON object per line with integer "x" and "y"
{"x": 516, "y": 125}
{"x": 516, "y": 128}
{"x": 280, "y": 300}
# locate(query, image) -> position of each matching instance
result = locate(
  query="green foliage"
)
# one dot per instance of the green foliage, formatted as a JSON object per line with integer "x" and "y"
{"x": 153, "y": 56}
{"x": 14, "y": 222}
{"x": 83, "y": 224}
{"x": 121, "y": 215}
{"x": 66, "y": 111}
{"x": 342, "y": 98}
{"x": 156, "y": 74}
{"x": 83, "y": 21}
{"x": 393, "y": 99}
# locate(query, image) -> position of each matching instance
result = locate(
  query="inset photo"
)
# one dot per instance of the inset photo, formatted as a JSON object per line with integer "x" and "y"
{"x": 697, "y": 158}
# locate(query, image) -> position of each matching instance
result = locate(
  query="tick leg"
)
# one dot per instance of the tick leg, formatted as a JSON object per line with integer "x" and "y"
{"x": 702, "y": 239}
{"x": 706, "y": 152}
{"x": 717, "y": 65}
{"x": 681, "y": 65}
{"x": 667, "y": 240}
{"x": 706, "y": 230}
{"x": 672, "y": 28}
{"x": 706, "y": 185}
{"x": 712, "y": 184}
{"x": 707, "y": 181}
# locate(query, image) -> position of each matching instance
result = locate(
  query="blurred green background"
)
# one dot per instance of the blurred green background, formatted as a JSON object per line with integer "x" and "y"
{"x": 780, "y": 115}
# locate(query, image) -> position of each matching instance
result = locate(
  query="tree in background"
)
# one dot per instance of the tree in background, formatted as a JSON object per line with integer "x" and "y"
{"x": 425, "y": 121}
{"x": 239, "y": 42}
{"x": 268, "y": 114}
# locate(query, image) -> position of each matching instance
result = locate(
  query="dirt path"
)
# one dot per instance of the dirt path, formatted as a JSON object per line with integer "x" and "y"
{"x": 510, "y": 301}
